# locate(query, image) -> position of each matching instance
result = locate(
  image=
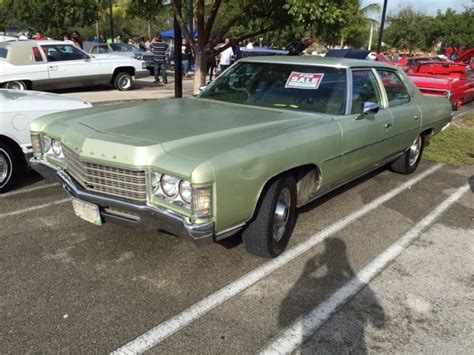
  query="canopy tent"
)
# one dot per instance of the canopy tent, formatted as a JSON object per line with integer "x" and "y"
{"x": 348, "y": 53}
{"x": 170, "y": 34}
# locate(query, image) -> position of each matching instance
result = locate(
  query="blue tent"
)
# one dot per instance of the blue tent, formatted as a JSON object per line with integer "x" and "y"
{"x": 170, "y": 34}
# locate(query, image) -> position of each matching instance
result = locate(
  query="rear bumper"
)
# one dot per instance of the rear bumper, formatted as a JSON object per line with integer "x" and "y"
{"x": 141, "y": 216}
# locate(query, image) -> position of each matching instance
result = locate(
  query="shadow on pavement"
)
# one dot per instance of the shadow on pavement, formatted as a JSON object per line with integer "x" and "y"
{"x": 322, "y": 275}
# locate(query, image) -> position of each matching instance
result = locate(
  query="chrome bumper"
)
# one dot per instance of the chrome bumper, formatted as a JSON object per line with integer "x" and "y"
{"x": 145, "y": 217}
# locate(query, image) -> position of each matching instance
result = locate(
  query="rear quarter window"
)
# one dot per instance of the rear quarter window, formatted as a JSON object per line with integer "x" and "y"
{"x": 397, "y": 93}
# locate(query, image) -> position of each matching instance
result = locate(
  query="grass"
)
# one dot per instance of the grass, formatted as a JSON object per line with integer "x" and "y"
{"x": 455, "y": 145}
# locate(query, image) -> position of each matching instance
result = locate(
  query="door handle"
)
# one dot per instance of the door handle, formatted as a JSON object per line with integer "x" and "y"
{"x": 415, "y": 117}
{"x": 388, "y": 125}
{"x": 53, "y": 67}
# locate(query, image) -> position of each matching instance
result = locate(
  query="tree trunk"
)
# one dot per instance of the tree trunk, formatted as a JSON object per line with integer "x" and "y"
{"x": 200, "y": 73}
{"x": 149, "y": 29}
{"x": 97, "y": 28}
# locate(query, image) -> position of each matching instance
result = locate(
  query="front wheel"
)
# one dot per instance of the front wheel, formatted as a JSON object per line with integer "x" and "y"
{"x": 268, "y": 233}
{"x": 123, "y": 81}
{"x": 15, "y": 85}
{"x": 408, "y": 162}
{"x": 8, "y": 167}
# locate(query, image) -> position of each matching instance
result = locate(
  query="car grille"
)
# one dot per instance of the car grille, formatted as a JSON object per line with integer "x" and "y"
{"x": 126, "y": 184}
{"x": 148, "y": 57}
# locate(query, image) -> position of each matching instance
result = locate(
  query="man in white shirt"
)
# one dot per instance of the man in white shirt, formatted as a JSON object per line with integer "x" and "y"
{"x": 226, "y": 56}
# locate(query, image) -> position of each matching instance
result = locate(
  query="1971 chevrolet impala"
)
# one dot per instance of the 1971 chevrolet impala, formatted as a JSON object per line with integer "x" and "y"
{"x": 266, "y": 137}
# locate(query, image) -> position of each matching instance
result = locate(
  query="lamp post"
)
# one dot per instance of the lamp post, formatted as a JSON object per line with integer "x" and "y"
{"x": 111, "y": 21}
{"x": 382, "y": 23}
{"x": 178, "y": 58}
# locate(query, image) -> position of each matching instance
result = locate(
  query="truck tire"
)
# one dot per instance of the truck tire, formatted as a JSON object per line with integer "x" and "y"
{"x": 408, "y": 162}
{"x": 269, "y": 231}
{"x": 8, "y": 167}
{"x": 123, "y": 81}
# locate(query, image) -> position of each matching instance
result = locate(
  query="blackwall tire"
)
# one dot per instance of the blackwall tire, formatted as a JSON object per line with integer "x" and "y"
{"x": 408, "y": 162}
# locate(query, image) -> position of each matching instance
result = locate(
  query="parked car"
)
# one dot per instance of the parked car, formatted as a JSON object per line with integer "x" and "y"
{"x": 269, "y": 135}
{"x": 56, "y": 64}
{"x": 17, "y": 110}
{"x": 123, "y": 49}
{"x": 407, "y": 62}
{"x": 452, "y": 80}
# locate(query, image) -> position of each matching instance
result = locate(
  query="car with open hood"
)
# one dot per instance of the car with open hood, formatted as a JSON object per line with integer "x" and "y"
{"x": 268, "y": 136}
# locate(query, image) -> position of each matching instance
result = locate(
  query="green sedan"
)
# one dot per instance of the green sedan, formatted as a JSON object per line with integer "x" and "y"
{"x": 268, "y": 136}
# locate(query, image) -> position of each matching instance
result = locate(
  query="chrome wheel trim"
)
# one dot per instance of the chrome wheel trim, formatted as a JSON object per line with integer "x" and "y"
{"x": 125, "y": 82}
{"x": 414, "y": 151}
{"x": 281, "y": 214}
{"x": 4, "y": 170}
{"x": 15, "y": 85}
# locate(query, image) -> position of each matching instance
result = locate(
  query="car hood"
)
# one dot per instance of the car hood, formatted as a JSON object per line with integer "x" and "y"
{"x": 26, "y": 101}
{"x": 195, "y": 129}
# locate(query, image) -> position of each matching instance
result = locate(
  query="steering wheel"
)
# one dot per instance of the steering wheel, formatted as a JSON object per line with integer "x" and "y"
{"x": 311, "y": 100}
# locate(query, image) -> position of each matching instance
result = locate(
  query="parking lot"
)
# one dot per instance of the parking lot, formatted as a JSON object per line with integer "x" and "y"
{"x": 69, "y": 286}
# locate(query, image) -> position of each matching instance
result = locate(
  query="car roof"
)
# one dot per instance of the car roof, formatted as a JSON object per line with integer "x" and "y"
{"x": 315, "y": 60}
{"x": 28, "y": 43}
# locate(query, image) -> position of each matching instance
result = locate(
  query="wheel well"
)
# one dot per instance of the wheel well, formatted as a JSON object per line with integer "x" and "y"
{"x": 129, "y": 70}
{"x": 308, "y": 181}
{"x": 14, "y": 147}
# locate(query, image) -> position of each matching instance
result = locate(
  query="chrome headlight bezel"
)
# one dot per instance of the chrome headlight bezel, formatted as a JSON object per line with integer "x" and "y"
{"x": 196, "y": 199}
{"x": 52, "y": 148}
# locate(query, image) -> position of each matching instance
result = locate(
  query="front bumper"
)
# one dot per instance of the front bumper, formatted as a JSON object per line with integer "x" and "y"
{"x": 112, "y": 209}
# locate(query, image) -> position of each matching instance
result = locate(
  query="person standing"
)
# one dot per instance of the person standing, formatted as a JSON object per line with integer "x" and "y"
{"x": 226, "y": 56}
{"x": 160, "y": 49}
{"x": 187, "y": 56}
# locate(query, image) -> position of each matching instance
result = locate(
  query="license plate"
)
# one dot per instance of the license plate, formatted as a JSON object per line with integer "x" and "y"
{"x": 87, "y": 211}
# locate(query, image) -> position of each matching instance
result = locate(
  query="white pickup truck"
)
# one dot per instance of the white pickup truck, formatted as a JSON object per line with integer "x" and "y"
{"x": 38, "y": 65}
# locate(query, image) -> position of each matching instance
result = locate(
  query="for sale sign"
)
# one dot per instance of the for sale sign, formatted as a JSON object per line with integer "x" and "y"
{"x": 298, "y": 80}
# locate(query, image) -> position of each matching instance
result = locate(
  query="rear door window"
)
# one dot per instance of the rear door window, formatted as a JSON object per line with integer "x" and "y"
{"x": 397, "y": 93}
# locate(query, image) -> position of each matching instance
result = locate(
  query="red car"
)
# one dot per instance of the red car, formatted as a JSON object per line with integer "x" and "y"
{"x": 453, "y": 80}
{"x": 408, "y": 62}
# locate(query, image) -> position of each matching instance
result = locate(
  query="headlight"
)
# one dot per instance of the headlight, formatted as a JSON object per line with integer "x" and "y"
{"x": 169, "y": 184}
{"x": 57, "y": 148}
{"x": 186, "y": 191}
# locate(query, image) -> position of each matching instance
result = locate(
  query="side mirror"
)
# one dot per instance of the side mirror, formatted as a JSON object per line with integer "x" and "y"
{"x": 370, "y": 108}
{"x": 202, "y": 88}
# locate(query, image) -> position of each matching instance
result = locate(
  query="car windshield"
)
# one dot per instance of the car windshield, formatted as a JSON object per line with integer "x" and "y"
{"x": 296, "y": 87}
{"x": 123, "y": 47}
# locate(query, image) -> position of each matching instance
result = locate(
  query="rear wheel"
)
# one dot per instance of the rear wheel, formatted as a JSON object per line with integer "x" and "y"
{"x": 8, "y": 167}
{"x": 123, "y": 81}
{"x": 15, "y": 85}
{"x": 268, "y": 233}
{"x": 408, "y": 162}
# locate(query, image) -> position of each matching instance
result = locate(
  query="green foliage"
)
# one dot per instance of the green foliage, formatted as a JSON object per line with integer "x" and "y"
{"x": 145, "y": 9}
{"x": 50, "y": 16}
{"x": 409, "y": 29}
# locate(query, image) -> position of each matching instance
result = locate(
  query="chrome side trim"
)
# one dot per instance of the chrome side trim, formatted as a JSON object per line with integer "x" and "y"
{"x": 229, "y": 232}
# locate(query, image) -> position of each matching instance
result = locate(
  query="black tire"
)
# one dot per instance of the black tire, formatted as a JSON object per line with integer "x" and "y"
{"x": 8, "y": 167}
{"x": 259, "y": 235}
{"x": 407, "y": 163}
{"x": 15, "y": 85}
{"x": 123, "y": 81}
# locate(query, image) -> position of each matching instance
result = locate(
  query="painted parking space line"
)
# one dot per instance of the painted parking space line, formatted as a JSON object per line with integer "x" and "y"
{"x": 17, "y": 192}
{"x": 162, "y": 331}
{"x": 34, "y": 208}
{"x": 305, "y": 326}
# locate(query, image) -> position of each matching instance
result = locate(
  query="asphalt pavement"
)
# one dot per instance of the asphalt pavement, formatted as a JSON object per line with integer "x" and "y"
{"x": 381, "y": 265}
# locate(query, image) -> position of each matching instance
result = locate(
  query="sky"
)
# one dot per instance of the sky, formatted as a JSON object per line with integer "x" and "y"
{"x": 428, "y": 7}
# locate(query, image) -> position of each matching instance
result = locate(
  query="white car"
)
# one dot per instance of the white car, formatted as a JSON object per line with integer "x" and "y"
{"x": 56, "y": 64}
{"x": 17, "y": 110}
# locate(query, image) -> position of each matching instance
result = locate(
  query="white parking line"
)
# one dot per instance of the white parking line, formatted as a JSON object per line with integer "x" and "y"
{"x": 29, "y": 190}
{"x": 305, "y": 326}
{"x": 162, "y": 331}
{"x": 34, "y": 208}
